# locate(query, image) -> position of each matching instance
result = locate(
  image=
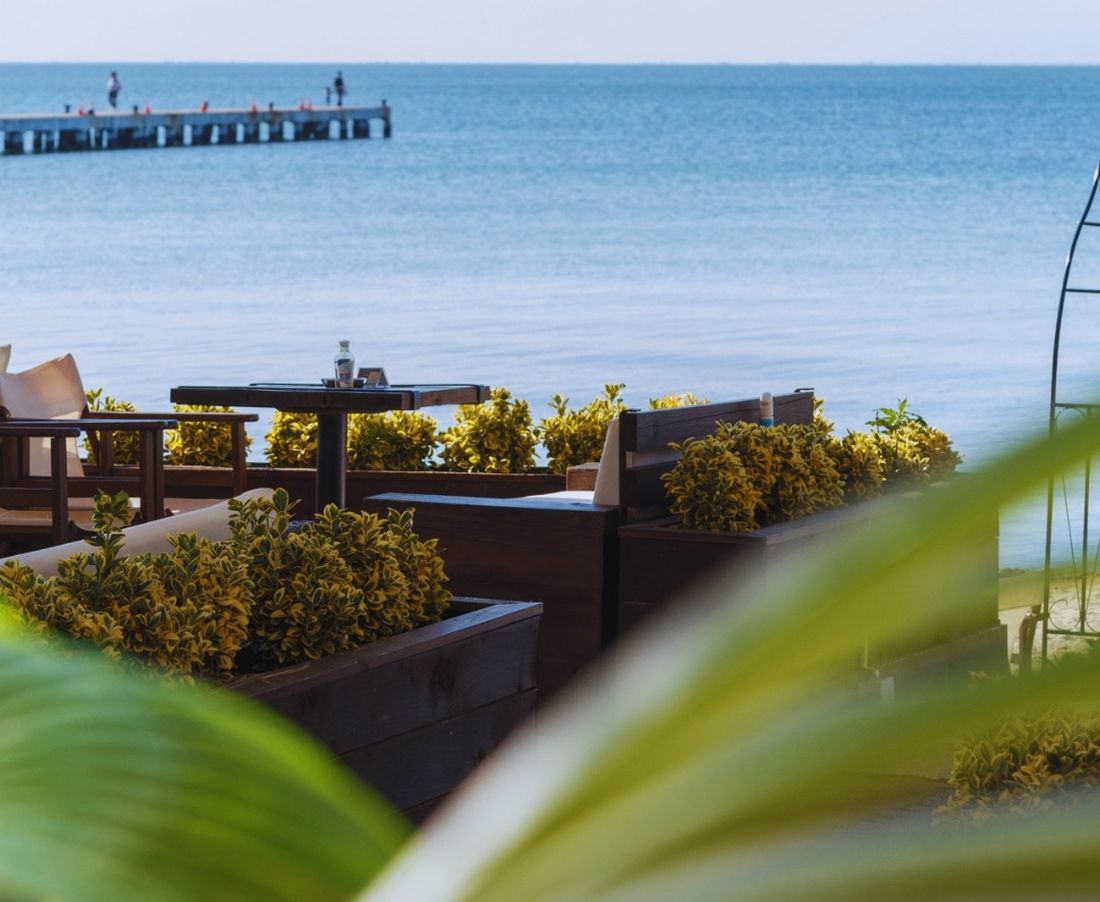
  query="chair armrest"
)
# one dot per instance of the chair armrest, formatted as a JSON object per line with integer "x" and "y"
{"x": 37, "y": 429}
{"x": 111, "y": 424}
{"x": 233, "y": 420}
{"x": 151, "y": 452}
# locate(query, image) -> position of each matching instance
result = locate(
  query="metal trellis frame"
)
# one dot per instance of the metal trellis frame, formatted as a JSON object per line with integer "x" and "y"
{"x": 1071, "y": 620}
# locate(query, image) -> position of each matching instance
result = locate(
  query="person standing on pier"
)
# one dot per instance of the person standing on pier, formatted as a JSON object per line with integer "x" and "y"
{"x": 340, "y": 88}
{"x": 113, "y": 87}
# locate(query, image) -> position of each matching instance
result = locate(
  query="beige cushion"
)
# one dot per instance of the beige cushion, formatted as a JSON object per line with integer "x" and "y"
{"x": 211, "y": 522}
{"x": 51, "y": 390}
{"x": 5, "y": 356}
{"x": 582, "y": 496}
{"x": 607, "y": 477}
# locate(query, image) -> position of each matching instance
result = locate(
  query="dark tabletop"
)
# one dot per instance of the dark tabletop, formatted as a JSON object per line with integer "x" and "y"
{"x": 315, "y": 398}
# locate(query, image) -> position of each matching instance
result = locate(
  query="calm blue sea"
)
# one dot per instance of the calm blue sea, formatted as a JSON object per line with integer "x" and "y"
{"x": 873, "y": 232}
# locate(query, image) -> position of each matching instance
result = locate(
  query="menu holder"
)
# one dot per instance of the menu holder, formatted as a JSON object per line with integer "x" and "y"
{"x": 373, "y": 377}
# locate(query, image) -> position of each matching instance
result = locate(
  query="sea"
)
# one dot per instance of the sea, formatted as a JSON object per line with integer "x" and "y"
{"x": 874, "y": 232}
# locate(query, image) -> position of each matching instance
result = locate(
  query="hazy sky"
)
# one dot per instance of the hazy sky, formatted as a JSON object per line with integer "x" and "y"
{"x": 983, "y": 31}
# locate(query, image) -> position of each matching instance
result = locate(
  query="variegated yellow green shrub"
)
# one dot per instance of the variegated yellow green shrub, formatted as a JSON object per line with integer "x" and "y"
{"x": 368, "y": 546}
{"x": 185, "y": 611}
{"x": 573, "y": 437}
{"x": 425, "y": 596}
{"x": 394, "y": 440}
{"x": 859, "y": 460}
{"x": 292, "y": 440}
{"x": 745, "y": 476}
{"x": 913, "y": 452}
{"x": 1025, "y": 764}
{"x": 816, "y": 484}
{"x": 333, "y": 583}
{"x": 201, "y": 443}
{"x": 676, "y": 399}
{"x": 274, "y": 593}
{"x": 798, "y": 470}
{"x": 494, "y": 437}
{"x": 789, "y": 467}
{"x": 126, "y": 445}
{"x": 710, "y": 487}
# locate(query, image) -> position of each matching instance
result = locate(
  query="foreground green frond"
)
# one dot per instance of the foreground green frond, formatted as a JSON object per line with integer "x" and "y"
{"x": 115, "y": 788}
{"x": 725, "y": 756}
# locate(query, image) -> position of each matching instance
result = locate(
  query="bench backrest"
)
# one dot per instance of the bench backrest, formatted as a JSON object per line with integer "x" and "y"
{"x": 644, "y": 437}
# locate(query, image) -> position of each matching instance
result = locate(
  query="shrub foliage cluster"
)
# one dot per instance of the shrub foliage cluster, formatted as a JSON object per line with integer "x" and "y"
{"x": 493, "y": 437}
{"x": 200, "y": 442}
{"x": 126, "y": 445}
{"x": 1025, "y": 764}
{"x": 574, "y": 437}
{"x": 745, "y": 476}
{"x": 274, "y": 593}
{"x": 498, "y": 436}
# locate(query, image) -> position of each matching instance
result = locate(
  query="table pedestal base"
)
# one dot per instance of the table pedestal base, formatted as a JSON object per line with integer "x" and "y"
{"x": 332, "y": 440}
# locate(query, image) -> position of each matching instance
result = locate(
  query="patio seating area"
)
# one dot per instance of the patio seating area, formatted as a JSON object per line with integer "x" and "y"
{"x": 549, "y": 571}
{"x": 562, "y": 548}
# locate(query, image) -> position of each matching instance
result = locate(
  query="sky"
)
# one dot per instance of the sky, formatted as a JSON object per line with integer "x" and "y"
{"x": 592, "y": 31}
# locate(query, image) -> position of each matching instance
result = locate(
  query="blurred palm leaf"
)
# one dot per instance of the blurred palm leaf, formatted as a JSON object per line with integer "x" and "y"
{"x": 723, "y": 755}
{"x": 119, "y": 788}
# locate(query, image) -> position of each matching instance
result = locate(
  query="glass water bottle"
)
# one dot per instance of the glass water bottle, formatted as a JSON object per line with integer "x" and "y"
{"x": 344, "y": 363}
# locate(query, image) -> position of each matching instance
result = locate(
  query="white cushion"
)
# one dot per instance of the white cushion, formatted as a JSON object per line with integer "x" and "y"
{"x": 5, "y": 356}
{"x": 211, "y": 522}
{"x": 607, "y": 476}
{"x": 581, "y": 495}
{"x": 51, "y": 390}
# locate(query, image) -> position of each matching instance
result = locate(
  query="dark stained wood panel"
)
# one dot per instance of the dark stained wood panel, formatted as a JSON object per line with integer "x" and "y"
{"x": 562, "y": 554}
{"x": 412, "y": 714}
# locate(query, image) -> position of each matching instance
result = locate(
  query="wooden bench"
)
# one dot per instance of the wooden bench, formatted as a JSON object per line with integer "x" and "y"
{"x": 564, "y": 552}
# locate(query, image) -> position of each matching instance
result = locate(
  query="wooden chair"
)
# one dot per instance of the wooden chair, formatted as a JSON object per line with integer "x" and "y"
{"x": 45, "y": 509}
{"x": 54, "y": 391}
{"x": 562, "y": 548}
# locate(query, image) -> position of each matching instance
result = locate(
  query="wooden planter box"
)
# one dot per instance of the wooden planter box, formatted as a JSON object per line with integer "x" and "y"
{"x": 413, "y": 714}
{"x": 557, "y": 552}
{"x": 660, "y": 562}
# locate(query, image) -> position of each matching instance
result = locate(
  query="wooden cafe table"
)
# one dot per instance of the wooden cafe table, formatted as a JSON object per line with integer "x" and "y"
{"x": 332, "y": 406}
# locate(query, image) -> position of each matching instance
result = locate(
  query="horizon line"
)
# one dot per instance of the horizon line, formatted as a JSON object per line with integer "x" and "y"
{"x": 622, "y": 63}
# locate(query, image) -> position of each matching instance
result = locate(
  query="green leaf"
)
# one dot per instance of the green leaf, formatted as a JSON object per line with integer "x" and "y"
{"x": 723, "y": 754}
{"x": 114, "y": 788}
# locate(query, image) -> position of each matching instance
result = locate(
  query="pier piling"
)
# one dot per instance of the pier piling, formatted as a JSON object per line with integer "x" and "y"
{"x": 69, "y": 132}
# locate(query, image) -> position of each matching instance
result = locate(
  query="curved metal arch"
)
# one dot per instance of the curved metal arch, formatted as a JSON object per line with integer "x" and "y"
{"x": 1055, "y": 407}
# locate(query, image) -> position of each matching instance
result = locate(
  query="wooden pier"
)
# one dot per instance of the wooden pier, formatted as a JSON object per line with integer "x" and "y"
{"x": 58, "y": 133}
